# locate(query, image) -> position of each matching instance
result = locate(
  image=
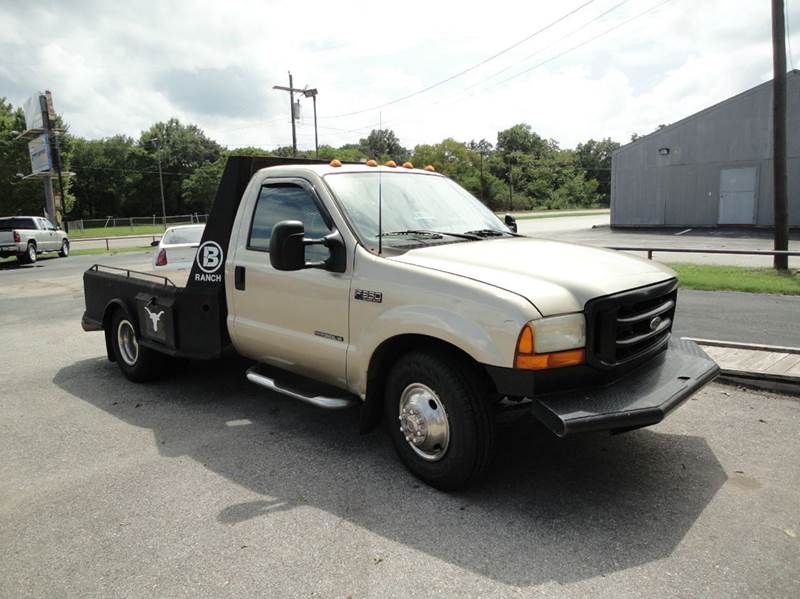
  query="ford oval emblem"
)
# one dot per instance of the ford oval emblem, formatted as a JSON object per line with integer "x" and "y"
{"x": 655, "y": 323}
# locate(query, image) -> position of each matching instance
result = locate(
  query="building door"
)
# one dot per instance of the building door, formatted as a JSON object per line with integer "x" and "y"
{"x": 737, "y": 196}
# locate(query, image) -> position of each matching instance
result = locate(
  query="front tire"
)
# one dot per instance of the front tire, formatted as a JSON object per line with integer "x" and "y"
{"x": 139, "y": 364}
{"x": 64, "y": 251}
{"x": 440, "y": 420}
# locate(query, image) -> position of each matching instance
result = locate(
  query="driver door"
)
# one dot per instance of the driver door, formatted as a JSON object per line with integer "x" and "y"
{"x": 297, "y": 320}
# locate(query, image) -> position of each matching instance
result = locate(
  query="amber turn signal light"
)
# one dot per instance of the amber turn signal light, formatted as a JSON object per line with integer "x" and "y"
{"x": 526, "y": 359}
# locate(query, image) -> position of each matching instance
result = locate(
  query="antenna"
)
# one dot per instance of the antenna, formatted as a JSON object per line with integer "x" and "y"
{"x": 380, "y": 221}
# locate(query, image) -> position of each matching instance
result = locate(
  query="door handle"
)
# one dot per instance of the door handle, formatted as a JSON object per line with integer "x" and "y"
{"x": 238, "y": 278}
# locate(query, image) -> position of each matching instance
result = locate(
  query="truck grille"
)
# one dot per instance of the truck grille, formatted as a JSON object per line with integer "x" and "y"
{"x": 626, "y": 328}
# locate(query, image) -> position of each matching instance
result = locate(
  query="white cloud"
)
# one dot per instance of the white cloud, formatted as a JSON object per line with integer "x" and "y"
{"x": 117, "y": 67}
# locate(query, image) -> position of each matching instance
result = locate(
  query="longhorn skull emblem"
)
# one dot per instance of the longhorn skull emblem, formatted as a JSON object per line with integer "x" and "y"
{"x": 155, "y": 317}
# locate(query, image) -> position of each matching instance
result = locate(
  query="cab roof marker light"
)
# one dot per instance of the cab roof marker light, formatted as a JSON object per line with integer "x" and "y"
{"x": 372, "y": 162}
{"x": 390, "y": 164}
{"x": 429, "y": 168}
{"x": 408, "y": 165}
{"x": 336, "y": 163}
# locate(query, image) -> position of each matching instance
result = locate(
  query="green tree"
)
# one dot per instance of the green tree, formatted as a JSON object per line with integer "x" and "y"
{"x": 110, "y": 178}
{"x": 200, "y": 188}
{"x": 16, "y": 197}
{"x": 595, "y": 158}
{"x": 461, "y": 163}
{"x": 183, "y": 148}
{"x": 382, "y": 144}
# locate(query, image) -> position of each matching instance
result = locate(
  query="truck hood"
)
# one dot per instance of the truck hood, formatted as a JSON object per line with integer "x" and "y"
{"x": 556, "y": 277}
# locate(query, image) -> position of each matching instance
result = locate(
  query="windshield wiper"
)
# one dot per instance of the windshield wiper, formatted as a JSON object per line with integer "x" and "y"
{"x": 486, "y": 233}
{"x": 428, "y": 233}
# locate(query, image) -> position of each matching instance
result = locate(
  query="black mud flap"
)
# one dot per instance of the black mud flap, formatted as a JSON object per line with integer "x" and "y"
{"x": 641, "y": 398}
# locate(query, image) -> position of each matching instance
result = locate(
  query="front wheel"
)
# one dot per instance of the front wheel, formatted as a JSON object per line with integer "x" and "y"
{"x": 64, "y": 251}
{"x": 440, "y": 420}
{"x": 137, "y": 363}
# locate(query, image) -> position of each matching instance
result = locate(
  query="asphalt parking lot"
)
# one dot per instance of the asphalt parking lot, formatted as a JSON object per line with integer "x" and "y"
{"x": 595, "y": 230}
{"x": 203, "y": 485}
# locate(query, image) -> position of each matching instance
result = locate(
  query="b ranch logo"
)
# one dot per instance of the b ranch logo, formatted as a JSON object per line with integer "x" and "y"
{"x": 209, "y": 260}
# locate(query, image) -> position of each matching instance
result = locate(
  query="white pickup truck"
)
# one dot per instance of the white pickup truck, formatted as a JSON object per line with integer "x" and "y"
{"x": 28, "y": 236}
{"x": 394, "y": 289}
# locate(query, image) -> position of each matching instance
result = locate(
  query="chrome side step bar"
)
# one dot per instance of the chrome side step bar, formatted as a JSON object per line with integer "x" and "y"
{"x": 321, "y": 401}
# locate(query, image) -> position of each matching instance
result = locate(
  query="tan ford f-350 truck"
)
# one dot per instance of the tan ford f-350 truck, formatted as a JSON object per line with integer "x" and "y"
{"x": 394, "y": 289}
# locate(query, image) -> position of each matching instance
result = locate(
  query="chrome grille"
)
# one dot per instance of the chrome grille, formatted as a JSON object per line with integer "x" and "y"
{"x": 628, "y": 327}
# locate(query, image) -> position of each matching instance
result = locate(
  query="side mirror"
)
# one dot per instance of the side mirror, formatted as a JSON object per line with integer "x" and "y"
{"x": 511, "y": 222}
{"x": 154, "y": 243}
{"x": 287, "y": 248}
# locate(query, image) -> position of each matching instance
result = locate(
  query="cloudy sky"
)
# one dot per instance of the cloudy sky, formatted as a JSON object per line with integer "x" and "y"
{"x": 608, "y": 69}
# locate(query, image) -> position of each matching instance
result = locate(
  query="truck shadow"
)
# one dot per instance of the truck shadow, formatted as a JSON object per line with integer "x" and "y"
{"x": 551, "y": 510}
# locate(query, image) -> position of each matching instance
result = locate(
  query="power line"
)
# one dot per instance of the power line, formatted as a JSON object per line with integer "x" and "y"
{"x": 468, "y": 69}
{"x": 561, "y": 54}
{"x": 591, "y": 39}
{"x": 539, "y": 51}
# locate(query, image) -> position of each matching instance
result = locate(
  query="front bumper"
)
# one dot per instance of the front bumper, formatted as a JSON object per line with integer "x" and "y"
{"x": 641, "y": 398}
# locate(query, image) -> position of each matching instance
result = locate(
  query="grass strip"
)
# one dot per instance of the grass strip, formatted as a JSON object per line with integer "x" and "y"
{"x": 709, "y": 277}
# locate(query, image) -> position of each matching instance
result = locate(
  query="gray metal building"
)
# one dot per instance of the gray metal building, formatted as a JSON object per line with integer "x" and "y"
{"x": 711, "y": 169}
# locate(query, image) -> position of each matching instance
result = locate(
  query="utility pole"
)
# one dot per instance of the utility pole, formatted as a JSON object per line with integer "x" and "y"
{"x": 157, "y": 144}
{"x": 314, "y": 99}
{"x": 510, "y": 190}
{"x": 780, "y": 203}
{"x": 291, "y": 112}
{"x": 481, "y": 176}
{"x": 308, "y": 93}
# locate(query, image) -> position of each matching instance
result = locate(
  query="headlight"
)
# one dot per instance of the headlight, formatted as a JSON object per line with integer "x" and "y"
{"x": 552, "y": 343}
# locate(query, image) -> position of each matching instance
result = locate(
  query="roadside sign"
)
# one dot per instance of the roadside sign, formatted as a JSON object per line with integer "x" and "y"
{"x": 34, "y": 118}
{"x": 41, "y": 158}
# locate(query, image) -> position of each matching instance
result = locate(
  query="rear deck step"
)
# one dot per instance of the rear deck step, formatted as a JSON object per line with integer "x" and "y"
{"x": 317, "y": 394}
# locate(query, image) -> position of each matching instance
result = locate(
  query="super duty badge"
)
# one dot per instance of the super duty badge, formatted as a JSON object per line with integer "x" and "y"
{"x": 369, "y": 296}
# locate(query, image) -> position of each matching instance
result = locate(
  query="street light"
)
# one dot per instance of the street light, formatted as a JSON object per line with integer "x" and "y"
{"x": 156, "y": 143}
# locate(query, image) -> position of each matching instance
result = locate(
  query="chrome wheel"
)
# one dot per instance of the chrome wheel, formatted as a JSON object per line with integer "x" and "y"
{"x": 31, "y": 253}
{"x": 423, "y": 422}
{"x": 128, "y": 345}
{"x": 65, "y": 248}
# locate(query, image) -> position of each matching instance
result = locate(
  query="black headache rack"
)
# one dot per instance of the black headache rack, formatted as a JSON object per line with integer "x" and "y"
{"x": 185, "y": 321}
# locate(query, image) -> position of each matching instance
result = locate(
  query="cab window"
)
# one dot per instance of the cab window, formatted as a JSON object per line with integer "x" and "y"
{"x": 287, "y": 202}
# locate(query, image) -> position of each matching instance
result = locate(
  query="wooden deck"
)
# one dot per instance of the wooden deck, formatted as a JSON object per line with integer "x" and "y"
{"x": 752, "y": 362}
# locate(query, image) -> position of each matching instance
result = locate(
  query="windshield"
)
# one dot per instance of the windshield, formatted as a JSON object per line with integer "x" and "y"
{"x": 183, "y": 235}
{"x": 411, "y": 202}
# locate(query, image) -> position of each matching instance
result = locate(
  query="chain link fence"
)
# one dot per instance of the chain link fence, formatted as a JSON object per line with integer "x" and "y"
{"x": 117, "y": 225}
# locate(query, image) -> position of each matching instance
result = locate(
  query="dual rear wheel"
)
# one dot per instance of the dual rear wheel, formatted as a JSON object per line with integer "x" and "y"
{"x": 137, "y": 363}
